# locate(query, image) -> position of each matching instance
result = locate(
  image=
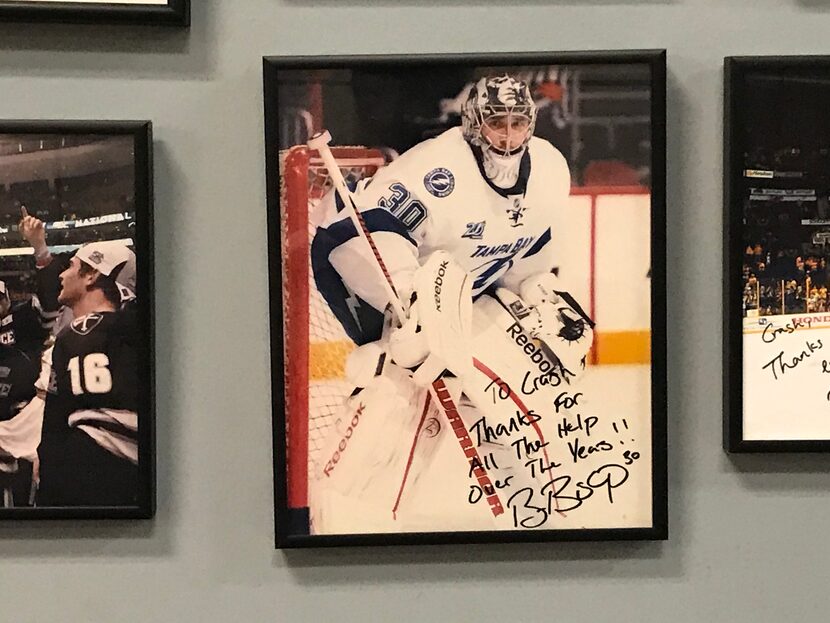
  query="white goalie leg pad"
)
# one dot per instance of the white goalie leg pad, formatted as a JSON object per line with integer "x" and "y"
{"x": 377, "y": 449}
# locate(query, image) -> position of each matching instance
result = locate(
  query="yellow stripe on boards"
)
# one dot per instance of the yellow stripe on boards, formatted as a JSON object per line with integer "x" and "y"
{"x": 327, "y": 360}
{"x": 623, "y": 347}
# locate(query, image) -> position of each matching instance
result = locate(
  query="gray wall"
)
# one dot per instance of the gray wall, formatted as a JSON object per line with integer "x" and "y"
{"x": 748, "y": 536}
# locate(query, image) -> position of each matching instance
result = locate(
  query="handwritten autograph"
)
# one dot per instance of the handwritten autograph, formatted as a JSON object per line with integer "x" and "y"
{"x": 531, "y": 509}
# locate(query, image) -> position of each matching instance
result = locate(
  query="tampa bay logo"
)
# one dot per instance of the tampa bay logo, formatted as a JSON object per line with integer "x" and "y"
{"x": 87, "y": 323}
{"x": 439, "y": 182}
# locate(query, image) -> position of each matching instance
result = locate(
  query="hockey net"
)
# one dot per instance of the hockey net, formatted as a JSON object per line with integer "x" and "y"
{"x": 316, "y": 346}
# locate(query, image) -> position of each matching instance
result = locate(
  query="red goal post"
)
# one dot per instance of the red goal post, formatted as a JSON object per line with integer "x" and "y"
{"x": 315, "y": 344}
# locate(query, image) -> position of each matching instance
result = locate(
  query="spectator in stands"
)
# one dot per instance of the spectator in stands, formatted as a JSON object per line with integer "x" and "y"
{"x": 819, "y": 274}
{"x": 812, "y": 303}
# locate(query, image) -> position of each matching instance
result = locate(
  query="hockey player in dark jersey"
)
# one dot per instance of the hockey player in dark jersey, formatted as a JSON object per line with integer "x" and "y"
{"x": 89, "y": 447}
{"x": 21, "y": 341}
{"x": 24, "y": 328}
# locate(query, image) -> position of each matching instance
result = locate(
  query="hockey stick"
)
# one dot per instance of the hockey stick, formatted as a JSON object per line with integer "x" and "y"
{"x": 437, "y": 388}
{"x": 320, "y": 142}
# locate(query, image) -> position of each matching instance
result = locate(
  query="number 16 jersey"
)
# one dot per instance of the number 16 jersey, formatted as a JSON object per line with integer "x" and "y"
{"x": 94, "y": 384}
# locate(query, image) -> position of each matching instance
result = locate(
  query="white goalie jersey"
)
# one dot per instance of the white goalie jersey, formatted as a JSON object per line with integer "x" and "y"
{"x": 437, "y": 197}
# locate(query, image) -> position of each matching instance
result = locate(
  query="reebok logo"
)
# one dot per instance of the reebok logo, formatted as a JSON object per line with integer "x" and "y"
{"x": 439, "y": 281}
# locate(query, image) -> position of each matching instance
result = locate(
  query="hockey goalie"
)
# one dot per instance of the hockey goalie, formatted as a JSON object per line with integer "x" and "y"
{"x": 463, "y": 334}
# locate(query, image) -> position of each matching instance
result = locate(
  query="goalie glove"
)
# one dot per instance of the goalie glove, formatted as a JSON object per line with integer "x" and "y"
{"x": 552, "y": 316}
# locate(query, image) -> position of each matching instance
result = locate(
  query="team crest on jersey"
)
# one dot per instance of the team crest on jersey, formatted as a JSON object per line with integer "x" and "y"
{"x": 474, "y": 230}
{"x": 439, "y": 182}
{"x": 516, "y": 213}
{"x": 87, "y": 323}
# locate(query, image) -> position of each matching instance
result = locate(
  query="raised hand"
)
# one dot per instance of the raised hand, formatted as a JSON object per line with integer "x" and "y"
{"x": 33, "y": 231}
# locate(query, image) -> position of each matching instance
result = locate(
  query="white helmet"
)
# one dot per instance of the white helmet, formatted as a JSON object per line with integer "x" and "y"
{"x": 499, "y": 96}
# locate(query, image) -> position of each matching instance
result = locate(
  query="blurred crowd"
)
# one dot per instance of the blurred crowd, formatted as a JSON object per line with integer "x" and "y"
{"x": 69, "y": 199}
{"x": 786, "y": 230}
{"x": 785, "y": 283}
{"x": 65, "y": 202}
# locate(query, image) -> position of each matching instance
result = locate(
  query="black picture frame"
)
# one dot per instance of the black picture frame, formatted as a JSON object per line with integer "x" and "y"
{"x": 766, "y": 103}
{"x": 172, "y": 13}
{"x": 140, "y": 229}
{"x": 292, "y": 528}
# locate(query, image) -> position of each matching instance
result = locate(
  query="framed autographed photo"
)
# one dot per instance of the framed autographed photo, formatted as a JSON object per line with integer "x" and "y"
{"x": 467, "y": 263}
{"x": 160, "y": 12}
{"x": 777, "y": 245}
{"x": 76, "y": 324}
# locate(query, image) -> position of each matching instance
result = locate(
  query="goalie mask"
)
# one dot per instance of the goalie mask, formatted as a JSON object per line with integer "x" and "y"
{"x": 499, "y": 116}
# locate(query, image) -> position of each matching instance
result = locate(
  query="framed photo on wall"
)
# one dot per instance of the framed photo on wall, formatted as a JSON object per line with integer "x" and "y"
{"x": 159, "y": 12}
{"x": 467, "y": 268}
{"x": 777, "y": 245}
{"x": 76, "y": 320}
